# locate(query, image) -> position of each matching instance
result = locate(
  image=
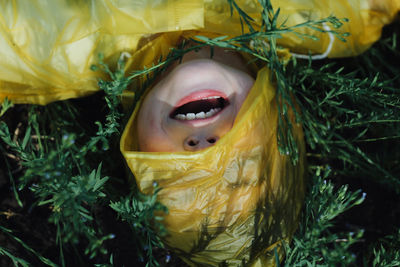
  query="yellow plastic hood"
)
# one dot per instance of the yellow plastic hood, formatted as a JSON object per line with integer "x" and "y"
{"x": 232, "y": 202}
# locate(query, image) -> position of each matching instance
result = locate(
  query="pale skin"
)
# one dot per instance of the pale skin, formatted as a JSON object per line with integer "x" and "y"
{"x": 195, "y": 103}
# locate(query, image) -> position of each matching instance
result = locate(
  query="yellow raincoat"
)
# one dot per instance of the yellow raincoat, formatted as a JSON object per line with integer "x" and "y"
{"x": 233, "y": 202}
{"x": 47, "y": 47}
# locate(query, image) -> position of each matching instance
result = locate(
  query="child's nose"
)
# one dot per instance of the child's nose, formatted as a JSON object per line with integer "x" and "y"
{"x": 193, "y": 143}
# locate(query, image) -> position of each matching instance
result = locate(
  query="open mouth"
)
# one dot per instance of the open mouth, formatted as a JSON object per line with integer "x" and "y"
{"x": 203, "y": 108}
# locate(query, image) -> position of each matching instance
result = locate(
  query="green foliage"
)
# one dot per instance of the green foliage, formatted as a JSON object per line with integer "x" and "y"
{"x": 350, "y": 117}
{"x": 57, "y": 174}
{"x": 315, "y": 243}
{"x": 345, "y": 103}
{"x": 6, "y": 105}
{"x": 388, "y": 254}
{"x": 140, "y": 212}
{"x": 18, "y": 261}
{"x": 60, "y": 169}
{"x": 262, "y": 46}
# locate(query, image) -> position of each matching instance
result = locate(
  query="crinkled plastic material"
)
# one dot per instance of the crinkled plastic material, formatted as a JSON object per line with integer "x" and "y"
{"x": 233, "y": 202}
{"x": 47, "y": 47}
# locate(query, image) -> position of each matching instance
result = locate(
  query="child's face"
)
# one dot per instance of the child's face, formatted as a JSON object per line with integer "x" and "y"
{"x": 195, "y": 103}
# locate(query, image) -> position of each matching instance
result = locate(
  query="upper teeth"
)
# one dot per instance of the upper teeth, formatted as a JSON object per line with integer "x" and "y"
{"x": 200, "y": 115}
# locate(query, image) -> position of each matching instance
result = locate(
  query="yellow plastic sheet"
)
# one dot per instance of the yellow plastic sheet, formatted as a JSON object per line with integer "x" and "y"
{"x": 47, "y": 47}
{"x": 233, "y": 202}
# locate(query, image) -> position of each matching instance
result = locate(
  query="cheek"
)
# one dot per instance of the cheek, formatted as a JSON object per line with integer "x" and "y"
{"x": 153, "y": 139}
{"x": 147, "y": 144}
{"x": 157, "y": 143}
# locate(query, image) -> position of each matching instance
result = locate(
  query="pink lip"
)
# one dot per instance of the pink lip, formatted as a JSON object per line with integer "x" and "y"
{"x": 198, "y": 95}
